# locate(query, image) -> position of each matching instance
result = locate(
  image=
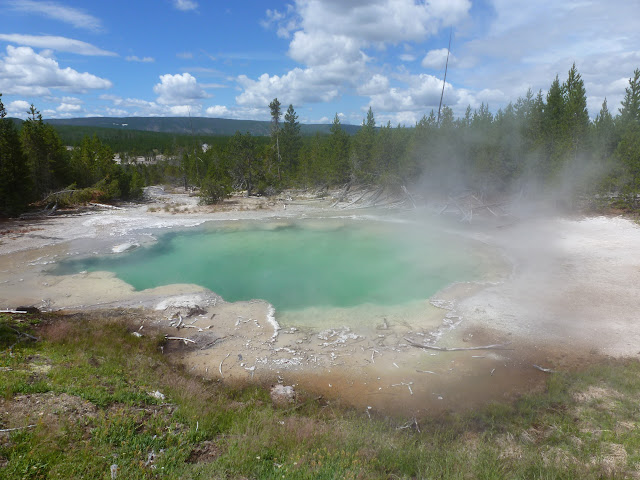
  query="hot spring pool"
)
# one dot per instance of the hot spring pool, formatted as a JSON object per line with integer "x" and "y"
{"x": 300, "y": 265}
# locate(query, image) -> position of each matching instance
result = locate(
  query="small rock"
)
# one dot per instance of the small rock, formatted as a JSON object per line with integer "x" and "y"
{"x": 282, "y": 395}
{"x": 157, "y": 394}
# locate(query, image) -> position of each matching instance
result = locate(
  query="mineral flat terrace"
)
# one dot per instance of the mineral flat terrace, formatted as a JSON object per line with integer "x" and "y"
{"x": 567, "y": 295}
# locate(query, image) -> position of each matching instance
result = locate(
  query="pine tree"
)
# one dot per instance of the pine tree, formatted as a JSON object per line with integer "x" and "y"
{"x": 630, "y": 109}
{"x": 605, "y": 140}
{"x": 14, "y": 174}
{"x": 362, "y": 149}
{"x": 338, "y": 152}
{"x": 243, "y": 161}
{"x": 576, "y": 122}
{"x": 47, "y": 158}
{"x": 628, "y": 150}
{"x": 276, "y": 113}
{"x": 291, "y": 141}
{"x": 554, "y": 128}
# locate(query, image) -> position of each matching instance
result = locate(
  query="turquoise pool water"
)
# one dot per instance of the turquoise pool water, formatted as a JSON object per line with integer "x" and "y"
{"x": 299, "y": 265}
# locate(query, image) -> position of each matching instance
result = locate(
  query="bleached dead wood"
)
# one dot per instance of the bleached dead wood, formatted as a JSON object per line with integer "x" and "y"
{"x": 61, "y": 192}
{"x": 12, "y": 311}
{"x": 374, "y": 198}
{"x": 358, "y": 199}
{"x": 406, "y": 192}
{"x": 545, "y": 370}
{"x": 102, "y": 205}
{"x": 3, "y": 430}
{"x": 347, "y": 187}
{"x": 497, "y": 346}
{"x": 185, "y": 340}
{"x": 220, "y": 367}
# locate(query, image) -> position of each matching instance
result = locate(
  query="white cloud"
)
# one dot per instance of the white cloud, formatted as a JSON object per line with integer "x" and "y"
{"x": 526, "y": 44}
{"x": 283, "y": 22}
{"x": 217, "y": 111}
{"x": 438, "y": 59}
{"x": 377, "y": 84}
{"x": 387, "y": 21}
{"x": 135, "y": 58}
{"x": 422, "y": 93}
{"x": 185, "y": 5}
{"x": 136, "y": 107}
{"x": 61, "y": 44}
{"x": 68, "y": 107}
{"x": 324, "y": 49}
{"x": 72, "y": 101}
{"x": 25, "y": 72}
{"x": 184, "y": 55}
{"x": 179, "y": 89}
{"x": 298, "y": 86}
{"x": 330, "y": 39}
{"x": 185, "y": 110}
{"x": 117, "y": 112}
{"x": 70, "y": 15}
{"x": 17, "y": 108}
{"x": 407, "y": 57}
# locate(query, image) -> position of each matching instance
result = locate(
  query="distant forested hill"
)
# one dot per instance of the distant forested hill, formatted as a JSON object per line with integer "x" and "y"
{"x": 183, "y": 125}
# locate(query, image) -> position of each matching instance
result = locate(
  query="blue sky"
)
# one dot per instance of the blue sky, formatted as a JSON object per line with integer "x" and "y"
{"x": 229, "y": 59}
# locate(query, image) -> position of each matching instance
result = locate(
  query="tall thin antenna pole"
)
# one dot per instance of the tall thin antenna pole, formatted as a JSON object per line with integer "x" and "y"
{"x": 444, "y": 82}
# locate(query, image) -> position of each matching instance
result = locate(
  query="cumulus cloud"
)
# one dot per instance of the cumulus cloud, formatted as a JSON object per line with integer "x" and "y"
{"x": 605, "y": 48}
{"x": 73, "y": 16}
{"x": 135, "y": 58}
{"x": 330, "y": 38}
{"x": 61, "y": 44}
{"x": 438, "y": 59}
{"x": 185, "y": 5}
{"x": 68, "y": 108}
{"x": 17, "y": 108}
{"x": 298, "y": 86}
{"x": 377, "y": 84}
{"x": 179, "y": 89}
{"x": 217, "y": 111}
{"x": 386, "y": 21}
{"x": 136, "y": 107}
{"x": 422, "y": 93}
{"x": 184, "y": 110}
{"x": 25, "y": 72}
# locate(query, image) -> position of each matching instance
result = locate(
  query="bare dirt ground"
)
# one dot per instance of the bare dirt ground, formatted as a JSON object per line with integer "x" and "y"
{"x": 571, "y": 299}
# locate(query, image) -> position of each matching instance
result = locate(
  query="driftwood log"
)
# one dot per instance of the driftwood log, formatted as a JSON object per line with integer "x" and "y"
{"x": 497, "y": 346}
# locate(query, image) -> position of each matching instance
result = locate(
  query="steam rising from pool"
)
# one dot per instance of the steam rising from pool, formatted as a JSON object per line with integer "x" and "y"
{"x": 302, "y": 265}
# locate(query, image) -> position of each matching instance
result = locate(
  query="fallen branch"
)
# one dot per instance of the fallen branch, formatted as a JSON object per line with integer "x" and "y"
{"x": 545, "y": 370}
{"x": 102, "y": 205}
{"x": 344, "y": 194}
{"x": 12, "y": 311}
{"x": 406, "y": 192}
{"x": 185, "y": 340}
{"x": 220, "y": 367}
{"x": 3, "y": 430}
{"x": 497, "y": 346}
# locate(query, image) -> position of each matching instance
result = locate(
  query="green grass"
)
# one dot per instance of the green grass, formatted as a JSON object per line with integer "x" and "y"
{"x": 84, "y": 384}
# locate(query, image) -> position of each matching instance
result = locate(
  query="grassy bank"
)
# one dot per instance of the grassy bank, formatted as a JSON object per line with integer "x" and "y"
{"x": 75, "y": 400}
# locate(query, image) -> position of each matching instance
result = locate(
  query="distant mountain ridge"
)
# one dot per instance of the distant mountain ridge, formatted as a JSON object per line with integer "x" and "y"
{"x": 186, "y": 125}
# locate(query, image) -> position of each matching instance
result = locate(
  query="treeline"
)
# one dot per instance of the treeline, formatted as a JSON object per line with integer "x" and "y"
{"x": 34, "y": 164}
{"x": 135, "y": 142}
{"x": 542, "y": 143}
